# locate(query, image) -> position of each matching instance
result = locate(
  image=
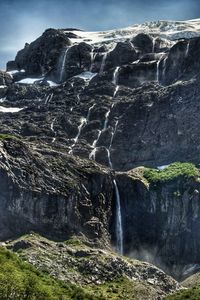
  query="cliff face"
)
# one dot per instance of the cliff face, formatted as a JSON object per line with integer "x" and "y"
{"x": 52, "y": 193}
{"x": 83, "y": 110}
{"x": 161, "y": 220}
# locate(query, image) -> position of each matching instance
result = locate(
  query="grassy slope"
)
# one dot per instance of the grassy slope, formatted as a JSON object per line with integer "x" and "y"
{"x": 19, "y": 280}
{"x": 190, "y": 294}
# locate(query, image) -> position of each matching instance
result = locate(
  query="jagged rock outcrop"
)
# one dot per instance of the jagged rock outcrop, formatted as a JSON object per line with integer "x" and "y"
{"x": 42, "y": 55}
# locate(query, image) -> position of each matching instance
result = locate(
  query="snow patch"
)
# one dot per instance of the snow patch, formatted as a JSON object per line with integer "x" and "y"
{"x": 169, "y": 30}
{"x": 16, "y": 71}
{"x": 86, "y": 75}
{"x": 51, "y": 83}
{"x": 29, "y": 80}
{"x": 10, "y": 109}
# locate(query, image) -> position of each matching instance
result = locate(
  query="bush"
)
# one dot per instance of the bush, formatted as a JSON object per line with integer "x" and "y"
{"x": 171, "y": 172}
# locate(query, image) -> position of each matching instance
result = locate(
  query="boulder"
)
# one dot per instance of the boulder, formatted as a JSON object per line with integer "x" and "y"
{"x": 143, "y": 43}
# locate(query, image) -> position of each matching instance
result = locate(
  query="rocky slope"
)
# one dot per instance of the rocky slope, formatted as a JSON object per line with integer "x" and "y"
{"x": 80, "y": 112}
{"x": 96, "y": 270}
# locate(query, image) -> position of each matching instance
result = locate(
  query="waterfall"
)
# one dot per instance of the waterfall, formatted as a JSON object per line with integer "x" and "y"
{"x": 115, "y": 76}
{"x": 52, "y": 129}
{"x": 92, "y": 155}
{"x": 115, "y": 91}
{"x": 63, "y": 64}
{"x": 118, "y": 225}
{"x": 89, "y": 112}
{"x": 187, "y": 49}
{"x": 83, "y": 122}
{"x": 157, "y": 70}
{"x": 111, "y": 141}
{"x": 164, "y": 68}
{"x": 106, "y": 118}
{"x": 93, "y": 55}
{"x": 115, "y": 80}
{"x": 103, "y": 63}
{"x": 153, "y": 46}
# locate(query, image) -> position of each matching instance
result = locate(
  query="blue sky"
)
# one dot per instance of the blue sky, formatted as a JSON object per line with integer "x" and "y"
{"x": 22, "y": 21}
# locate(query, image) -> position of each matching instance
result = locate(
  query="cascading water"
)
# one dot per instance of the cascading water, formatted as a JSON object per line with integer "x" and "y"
{"x": 115, "y": 76}
{"x": 93, "y": 55}
{"x": 115, "y": 80}
{"x": 157, "y": 71}
{"x": 187, "y": 49}
{"x": 63, "y": 65}
{"x": 154, "y": 44}
{"x": 89, "y": 112}
{"x": 107, "y": 117}
{"x": 52, "y": 129}
{"x": 93, "y": 153}
{"x": 164, "y": 67}
{"x": 103, "y": 63}
{"x": 111, "y": 141}
{"x": 83, "y": 121}
{"x": 118, "y": 225}
{"x": 158, "y": 68}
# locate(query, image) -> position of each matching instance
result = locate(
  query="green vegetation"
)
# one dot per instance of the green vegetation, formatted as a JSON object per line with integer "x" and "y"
{"x": 122, "y": 288}
{"x": 20, "y": 280}
{"x": 73, "y": 242}
{"x": 6, "y": 136}
{"x": 187, "y": 170}
{"x": 190, "y": 294}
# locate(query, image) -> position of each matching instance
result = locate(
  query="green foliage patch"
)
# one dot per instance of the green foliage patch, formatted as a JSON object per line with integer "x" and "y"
{"x": 187, "y": 170}
{"x": 190, "y": 294}
{"x": 6, "y": 136}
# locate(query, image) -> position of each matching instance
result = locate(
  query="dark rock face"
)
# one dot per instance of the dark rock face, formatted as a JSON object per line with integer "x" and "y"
{"x": 41, "y": 56}
{"x": 161, "y": 221}
{"x": 123, "y": 53}
{"x": 79, "y": 203}
{"x": 185, "y": 55}
{"x": 143, "y": 42}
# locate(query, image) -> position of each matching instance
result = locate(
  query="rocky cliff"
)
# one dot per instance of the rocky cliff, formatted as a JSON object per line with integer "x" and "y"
{"x": 80, "y": 114}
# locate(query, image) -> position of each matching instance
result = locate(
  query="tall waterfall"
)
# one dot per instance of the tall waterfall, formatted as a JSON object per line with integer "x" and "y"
{"x": 63, "y": 64}
{"x": 118, "y": 225}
